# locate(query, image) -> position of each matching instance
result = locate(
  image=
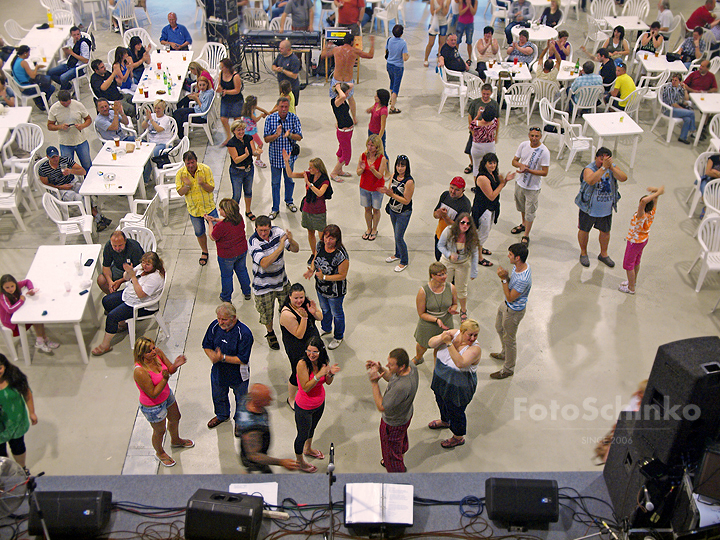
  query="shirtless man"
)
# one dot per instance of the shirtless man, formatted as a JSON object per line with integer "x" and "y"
{"x": 345, "y": 56}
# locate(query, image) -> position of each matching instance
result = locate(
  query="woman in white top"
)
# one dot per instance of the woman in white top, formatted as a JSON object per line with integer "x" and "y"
{"x": 454, "y": 379}
{"x": 158, "y": 125}
{"x": 438, "y": 25}
{"x": 146, "y": 282}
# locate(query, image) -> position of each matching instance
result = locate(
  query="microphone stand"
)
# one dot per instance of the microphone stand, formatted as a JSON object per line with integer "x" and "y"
{"x": 31, "y": 485}
{"x": 330, "y": 535}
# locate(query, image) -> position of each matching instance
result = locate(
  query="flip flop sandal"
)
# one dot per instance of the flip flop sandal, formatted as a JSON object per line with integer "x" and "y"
{"x": 486, "y": 251}
{"x": 366, "y": 236}
{"x": 517, "y": 230}
{"x": 468, "y": 169}
{"x": 250, "y": 216}
{"x": 97, "y": 351}
{"x": 203, "y": 259}
{"x": 394, "y": 111}
{"x": 372, "y": 236}
{"x": 525, "y": 240}
{"x": 165, "y": 462}
{"x": 317, "y": 455}
{"x": 452, "y": 443}
{"x": 187, "y": 443}
{"x": 345, "y": 174}
{"x": 382, "y": 462}
{"x": 310, "y": 469}
{"x": 485, "y": 262}
{"x": 463, "y": 316}
{"x": 437, "y": 424}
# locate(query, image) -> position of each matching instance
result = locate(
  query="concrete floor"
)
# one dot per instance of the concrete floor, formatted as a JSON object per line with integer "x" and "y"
{"x": 582, "y": 344}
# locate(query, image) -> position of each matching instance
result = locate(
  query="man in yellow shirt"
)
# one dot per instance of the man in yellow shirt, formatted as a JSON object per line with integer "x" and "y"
{"x": 196, "y": 183}
{"x": 624, "y": 85}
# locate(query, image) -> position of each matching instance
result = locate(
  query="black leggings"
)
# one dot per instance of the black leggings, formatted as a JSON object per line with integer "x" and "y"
{"x": 17, "y": 447}
{"x": 306, "y": 422}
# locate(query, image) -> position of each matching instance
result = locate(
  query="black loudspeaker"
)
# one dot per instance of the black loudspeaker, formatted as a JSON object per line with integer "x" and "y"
{"x": 71, "y": 514}
{"x": 522, "y": 501}
{"x": 219, "y": 515}
{"x": 680, "y": 409}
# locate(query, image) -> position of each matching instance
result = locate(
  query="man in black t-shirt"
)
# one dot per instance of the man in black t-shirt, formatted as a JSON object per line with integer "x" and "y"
{"x": 452, "y": 202}
{"x": 607, "y": 69}
{"x": 118, "y": 250}
{"x": 450, "y": 56}
{"x": 103, "y": 86}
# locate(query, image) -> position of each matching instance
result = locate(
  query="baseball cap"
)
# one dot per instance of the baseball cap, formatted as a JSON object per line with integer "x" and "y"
{"x": 458, "y": 182}
{"x": 51, "y": 151}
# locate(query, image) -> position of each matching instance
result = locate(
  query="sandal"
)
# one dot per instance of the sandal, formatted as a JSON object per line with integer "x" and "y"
{"x": 517, "y": 230}
{"x": 438, "y": 424}
{"x": 372, "y": 236}
{"x": 309, "y": 469}
{"x": 485, "y": 262}
{"x": 215, "y": 422}
{"x": 337, "y": 179}
{"x": 463, "y": 315}
{"x": 486, "y": 251}
{"x": 98, "y": 351}
{"x": 250, "y": 216}
{"x": 366, "y": 236}
{"x": 468, "y": 169}
{"x": 394, "y": 111}
{"x": 345, "y": 174}
{"x": 186, "y": 443}
{"x": 166, "y": 461}
{"x": 452, "y": 442}
{"x": 203, "y": 258}
{"x": 382, "y": 463}
{"x": 317, "y": 455}
{"x": 525, "y": 240}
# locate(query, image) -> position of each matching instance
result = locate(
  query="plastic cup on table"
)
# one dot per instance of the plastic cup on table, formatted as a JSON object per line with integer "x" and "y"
{"x": 117, "y": 141}
{"x": 146, "y": 92}
{"x": 67, "y": 286}
{"x": 114, "y": 155}
{"x": 159, "y": 65}
{"x": 78, "y": 268}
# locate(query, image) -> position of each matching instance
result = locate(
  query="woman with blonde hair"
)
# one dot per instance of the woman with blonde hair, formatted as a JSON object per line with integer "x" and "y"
{"x": 454, "y": 378}
{"x": 158, "y": 125}
{"x": 372, "y": 169}
{"x": 459, "y": 246}
{"x": 197, "y": 71}
{"x": 157, "y": 401}
{"x": 241, "y": 148}
{"x": 436, "y": 303}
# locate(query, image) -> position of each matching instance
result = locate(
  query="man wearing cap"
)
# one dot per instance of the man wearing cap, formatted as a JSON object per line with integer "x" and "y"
{"x": 60, "y": 172}
{"x": 452, "y": 202}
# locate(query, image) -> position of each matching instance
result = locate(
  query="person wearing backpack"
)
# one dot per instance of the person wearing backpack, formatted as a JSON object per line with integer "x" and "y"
{"x": 596, "y": 200}
{"x": 317, "y": 191}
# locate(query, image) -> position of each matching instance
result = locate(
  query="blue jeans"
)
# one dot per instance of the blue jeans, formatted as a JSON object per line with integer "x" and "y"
{"x": 83, "y": 153}
{"x": 220, "y": 391}
{"x": 395, "y": 73}
{"x": 276, "y": 174}
{"x": 242, "y": 182}
{"x": 227, "y": 267}
{"x": 334, "y": 307}
{"x": 688, "y": 118}
{"x": 400, "y": 224}
{"x": 117, "y": 311}
{"x": 62, "y": 74}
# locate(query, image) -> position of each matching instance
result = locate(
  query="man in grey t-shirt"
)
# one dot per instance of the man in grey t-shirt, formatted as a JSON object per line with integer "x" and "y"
{"x": 396, "y": 405}
{"x": 302, "y": 13}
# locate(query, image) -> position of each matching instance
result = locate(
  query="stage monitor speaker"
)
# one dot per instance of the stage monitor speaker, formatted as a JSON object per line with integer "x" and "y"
{"x": 522, "y": 501}
{"x": 680, "y": 409}
{"x": 707, "y": 480}
{"x": 219, "y": 515}
{"x": 71, "y": 514}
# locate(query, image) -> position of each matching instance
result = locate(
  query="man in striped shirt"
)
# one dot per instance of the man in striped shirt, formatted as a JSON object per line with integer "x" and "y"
{"x": 516, "y": 287}
{"x": 270, "y": 282}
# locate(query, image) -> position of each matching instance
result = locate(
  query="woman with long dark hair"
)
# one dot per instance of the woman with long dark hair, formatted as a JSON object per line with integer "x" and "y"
{"x": 486, "y": 204}
{"x": 399, "y": 207}
{"x": 313, "y": 372}
{"x": 138, "y": 57}
{"x": 378, "y": 116}
{"x": 228, "y": 232}
{"x": 458, "y": 244}
{"x": 122, "y": 70}
{"x": 230, "y": 87}
{"x": 616, "y": 45}
{"x": 297, "y": 323}
{"x": 330, "y": 267}
{"x": 12, "y": 299}
{"x": 26, "y": 75}
{"x": 17, "y": 411}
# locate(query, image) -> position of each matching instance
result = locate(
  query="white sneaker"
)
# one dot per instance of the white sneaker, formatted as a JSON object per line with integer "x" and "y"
{"x": 625, "y": 289}
{"x": 392, "y": 259}
{"x": 334, "y": 344}
{"x": 52, "y": 344}
{"x": 42, "y": 346}
{"x": 259, "y": 163}
{"x": 324, "y": 333}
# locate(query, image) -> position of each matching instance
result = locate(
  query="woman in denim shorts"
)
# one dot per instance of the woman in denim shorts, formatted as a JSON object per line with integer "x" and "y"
{"x": 372, "y": 169}
{"x": 157, "y": 401}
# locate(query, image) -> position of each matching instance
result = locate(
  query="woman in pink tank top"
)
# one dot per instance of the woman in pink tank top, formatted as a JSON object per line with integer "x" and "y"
{"x": 157, "y": 401}
{"x": 313, "y": 371}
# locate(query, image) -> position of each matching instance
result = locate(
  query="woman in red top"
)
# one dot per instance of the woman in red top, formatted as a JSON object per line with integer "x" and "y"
{"x": 157, "y": 401}
{"x": 372, "y": 169}
{"x": 378, "y": 115}
{"x": 313, "y": 371}
{"x": 228, "y": 232}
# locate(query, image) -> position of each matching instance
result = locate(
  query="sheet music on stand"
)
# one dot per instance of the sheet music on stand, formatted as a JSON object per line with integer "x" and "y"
{"x": 372, "y": 507}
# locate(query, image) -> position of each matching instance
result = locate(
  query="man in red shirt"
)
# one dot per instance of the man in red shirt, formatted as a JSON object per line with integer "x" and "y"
{"x": 703, "y": 15}
{"x": 701, "y": 80}
{"x": 350, "y": 14}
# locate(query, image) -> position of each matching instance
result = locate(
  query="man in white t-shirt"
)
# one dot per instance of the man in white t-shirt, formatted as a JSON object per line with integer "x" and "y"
{"x": 665, "y": 18}
{"x": 532, "y": 160}
{"x": 70, "y": 119}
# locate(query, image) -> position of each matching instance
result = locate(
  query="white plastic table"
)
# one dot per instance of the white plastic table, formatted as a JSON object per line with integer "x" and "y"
{"x": 566, "y": 73}
{"x": 126, "y": 182}
{"x": 174, "y": 66}
{"x": 614, "y": 124}
{"x": 14, "y": 116}
{"x": 631, "y": 24}
{"x": 707, "y": 104}
{"x": 45, "y": 44}
{"x": 53, "y": 269}
{"x": 135, "y": 158}
{"x": 520, "y": 73}
{"x": 656, "y": 64}
{"x": 538, "y": 33}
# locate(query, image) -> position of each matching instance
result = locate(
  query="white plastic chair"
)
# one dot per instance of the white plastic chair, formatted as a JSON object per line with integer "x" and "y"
{"x": 18, "y": 89}
{"x": 635, "y": 67}
{"x": 573, "y": 140}
{"x": 714, "y": 129}
{"x": 142, "y": 235}
{"x": 586, "y": 98}
{"x": 27, "y": 138}
{"x": 673, "y": 25}
{"x": 473, "y": 86}
{"x": 452, "y": 89}
{"x": 82, "y": 70}
{"x": 42, "y": 188}
{"x": 102, "y": 8}
{"x": 167, "y": 192}
{"x": 548, "y": 115}
{"x": 665, "y": 114}
{"x": 518, "y": 96}
{"x": 498, "y": 13}
{"x": 385, "y": 14}
{"x": 10, "y": 342}
{"x": 200, "y": 10}
{"x": 147, "y": 219}
{"x": 210, "y": 116}
{"x": 126, "y": 129}
{"x": 565, "y": 7}
{"x": 632, "y": 103}
{"x": 699, "y": 171}
{"x": 16, "y": 32}
{"x": 59, "y": 212}
{"x": 709, "y": 256}
{"x": 636, "y": 8}
{"x": 132, "y": 322}
{"x": 255, "y": 18}
{"x": 147, "y": 41}
{"x": 599, "y": 9}
{"x": 711, "y": 198}
{"x": 63, "y": 17}
{"x": 653, "y": 85}
{"x": 595, "y": 34}
{"x": 172, "y": 129}
{"x": 213, "y": 53}
{"x": 275, "y": 24}
{"x": 124, "y": 11}
{"x": 10, "y": 201}
{"x": 549, "y": 90}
